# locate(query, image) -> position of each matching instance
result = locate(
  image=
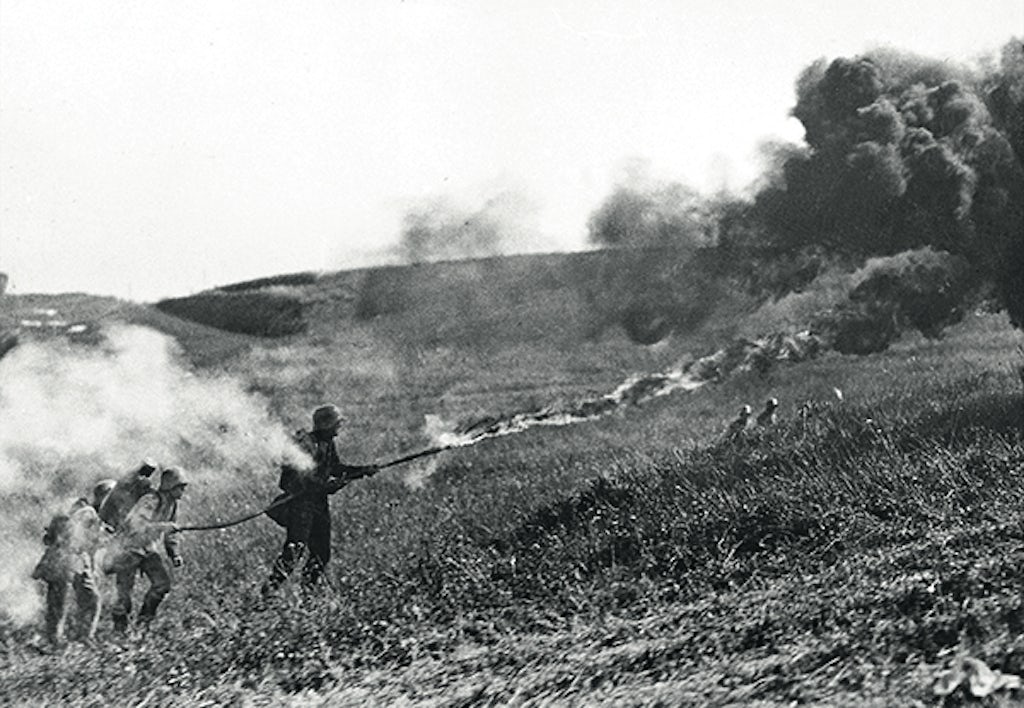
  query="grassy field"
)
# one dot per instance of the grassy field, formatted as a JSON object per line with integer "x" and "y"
{"x": 843, "y": 557}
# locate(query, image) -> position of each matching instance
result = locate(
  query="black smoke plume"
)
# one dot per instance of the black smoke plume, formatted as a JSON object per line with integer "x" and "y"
{"x": 922, "y": 290}
{"x": 904, "y": 152}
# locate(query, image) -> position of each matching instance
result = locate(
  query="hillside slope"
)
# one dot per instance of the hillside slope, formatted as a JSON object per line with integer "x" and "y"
{"x": 844, "y": 557}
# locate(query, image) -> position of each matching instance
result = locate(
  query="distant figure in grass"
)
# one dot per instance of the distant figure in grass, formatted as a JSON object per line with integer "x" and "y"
{"x": 147, "y": 530}
{"x": 767, "y": 417}
{"x": 307, "y": 518}
{"x": 737, "y": 426}
{"x": 69, "y": 564}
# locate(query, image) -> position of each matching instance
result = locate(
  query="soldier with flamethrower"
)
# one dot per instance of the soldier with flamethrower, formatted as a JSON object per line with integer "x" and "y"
{"x": 307, "y": 517}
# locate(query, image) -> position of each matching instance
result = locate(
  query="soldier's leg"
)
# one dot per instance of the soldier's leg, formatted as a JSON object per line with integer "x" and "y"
{"x": 88, "y": 599}
{"x": 56, "y": 610}
{"x": 125, "y": 581}
{"x": 319, "y": 548}
{"x": 300, "y": 520}
{"x": 154, "y": 568}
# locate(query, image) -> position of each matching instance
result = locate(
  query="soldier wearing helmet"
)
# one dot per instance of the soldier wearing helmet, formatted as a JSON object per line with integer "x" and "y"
{"x": 69, "y": 563}
{"x": 767, "y": 417}
{"x": 147, "y": 530}
{"x": 307, "y": 518}
{"x": 739, "y": 424}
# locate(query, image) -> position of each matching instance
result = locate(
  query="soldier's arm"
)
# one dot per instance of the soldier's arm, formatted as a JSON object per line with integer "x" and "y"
{"x": 140, "y": 522}
{"x": 351, "y": 472}
{"x": 342, "y": 474}
{"x": 171, "y": 541}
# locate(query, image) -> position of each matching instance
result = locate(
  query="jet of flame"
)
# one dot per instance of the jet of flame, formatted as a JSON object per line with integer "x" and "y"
{"x": 742, "y": 355}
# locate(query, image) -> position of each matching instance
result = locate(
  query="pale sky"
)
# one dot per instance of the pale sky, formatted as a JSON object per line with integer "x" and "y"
{"x": 158, "y": 148}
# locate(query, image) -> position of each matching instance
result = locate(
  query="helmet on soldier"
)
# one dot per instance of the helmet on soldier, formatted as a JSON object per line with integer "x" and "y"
{"x": 172, "y": 477}
{"x": 327, "y": 417}
{"x": 101, "y": 490}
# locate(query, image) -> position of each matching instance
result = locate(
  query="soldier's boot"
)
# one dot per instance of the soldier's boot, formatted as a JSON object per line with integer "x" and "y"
{"x": 121, "y": 624}
{"x": 291, "y": 555}
{"x": 148, "y": 611}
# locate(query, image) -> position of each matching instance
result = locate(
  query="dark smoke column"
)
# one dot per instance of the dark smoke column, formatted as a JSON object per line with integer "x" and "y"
{"x": 902, "y": 153}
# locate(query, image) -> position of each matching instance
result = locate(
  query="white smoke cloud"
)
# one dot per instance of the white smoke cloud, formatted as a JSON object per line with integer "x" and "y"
{"x": 419, "y": 473}
{"x": 71, "y": 415}
{"x": 19, "y": 599}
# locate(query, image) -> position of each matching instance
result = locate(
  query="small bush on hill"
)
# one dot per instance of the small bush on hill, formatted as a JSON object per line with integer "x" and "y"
{"x": 290, "y": 279}
{"x": 257, "y": 313}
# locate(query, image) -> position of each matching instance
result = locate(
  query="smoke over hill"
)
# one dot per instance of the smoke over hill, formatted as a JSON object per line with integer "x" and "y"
{"x": 902, "y": 153}
{"x": 440, "y": 229}
{"x": 646, "y": 212}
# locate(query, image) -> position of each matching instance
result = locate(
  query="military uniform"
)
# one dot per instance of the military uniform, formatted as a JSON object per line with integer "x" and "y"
{"x": 767, "y": 417}
{"x": 69, "y": 565}
{"x": 307, "y": 518}
{"x": 147, "y": 530}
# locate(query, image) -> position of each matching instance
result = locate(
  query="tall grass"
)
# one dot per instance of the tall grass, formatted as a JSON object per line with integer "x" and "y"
{"x": 893, "y": 515}
{"x": 885, "y": 524}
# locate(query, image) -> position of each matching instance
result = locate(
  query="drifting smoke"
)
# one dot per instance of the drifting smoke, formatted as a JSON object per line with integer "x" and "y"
{"x": 436, "y": 430}
{"x": 439, "y": 229}
{"x": 650, "y": 285}
{"x": 650, "y": 292}
{"x": 74, "y": 415}
{"x": 632, "y": 217}
{"x": 643, "y": 212}
{"x": 904, "y": 152}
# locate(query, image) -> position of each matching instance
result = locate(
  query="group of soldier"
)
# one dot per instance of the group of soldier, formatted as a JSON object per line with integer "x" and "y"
{"x": 128, "y": 527}
{"x": 120, "y": 531}
{"x": 764, "y": 419}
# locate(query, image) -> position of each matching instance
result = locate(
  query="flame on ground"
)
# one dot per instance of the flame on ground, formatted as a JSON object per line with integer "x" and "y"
{"x": 742, "y": 355}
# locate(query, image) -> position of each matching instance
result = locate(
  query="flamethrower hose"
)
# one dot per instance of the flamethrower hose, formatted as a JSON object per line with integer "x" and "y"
{"x": 285, "y": 499}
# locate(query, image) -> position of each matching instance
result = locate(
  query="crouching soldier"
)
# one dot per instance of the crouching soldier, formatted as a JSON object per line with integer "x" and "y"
{"x": 148, "y": 526}
{"x": 307, "y": 518}
{"x": 69, "y": 564}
